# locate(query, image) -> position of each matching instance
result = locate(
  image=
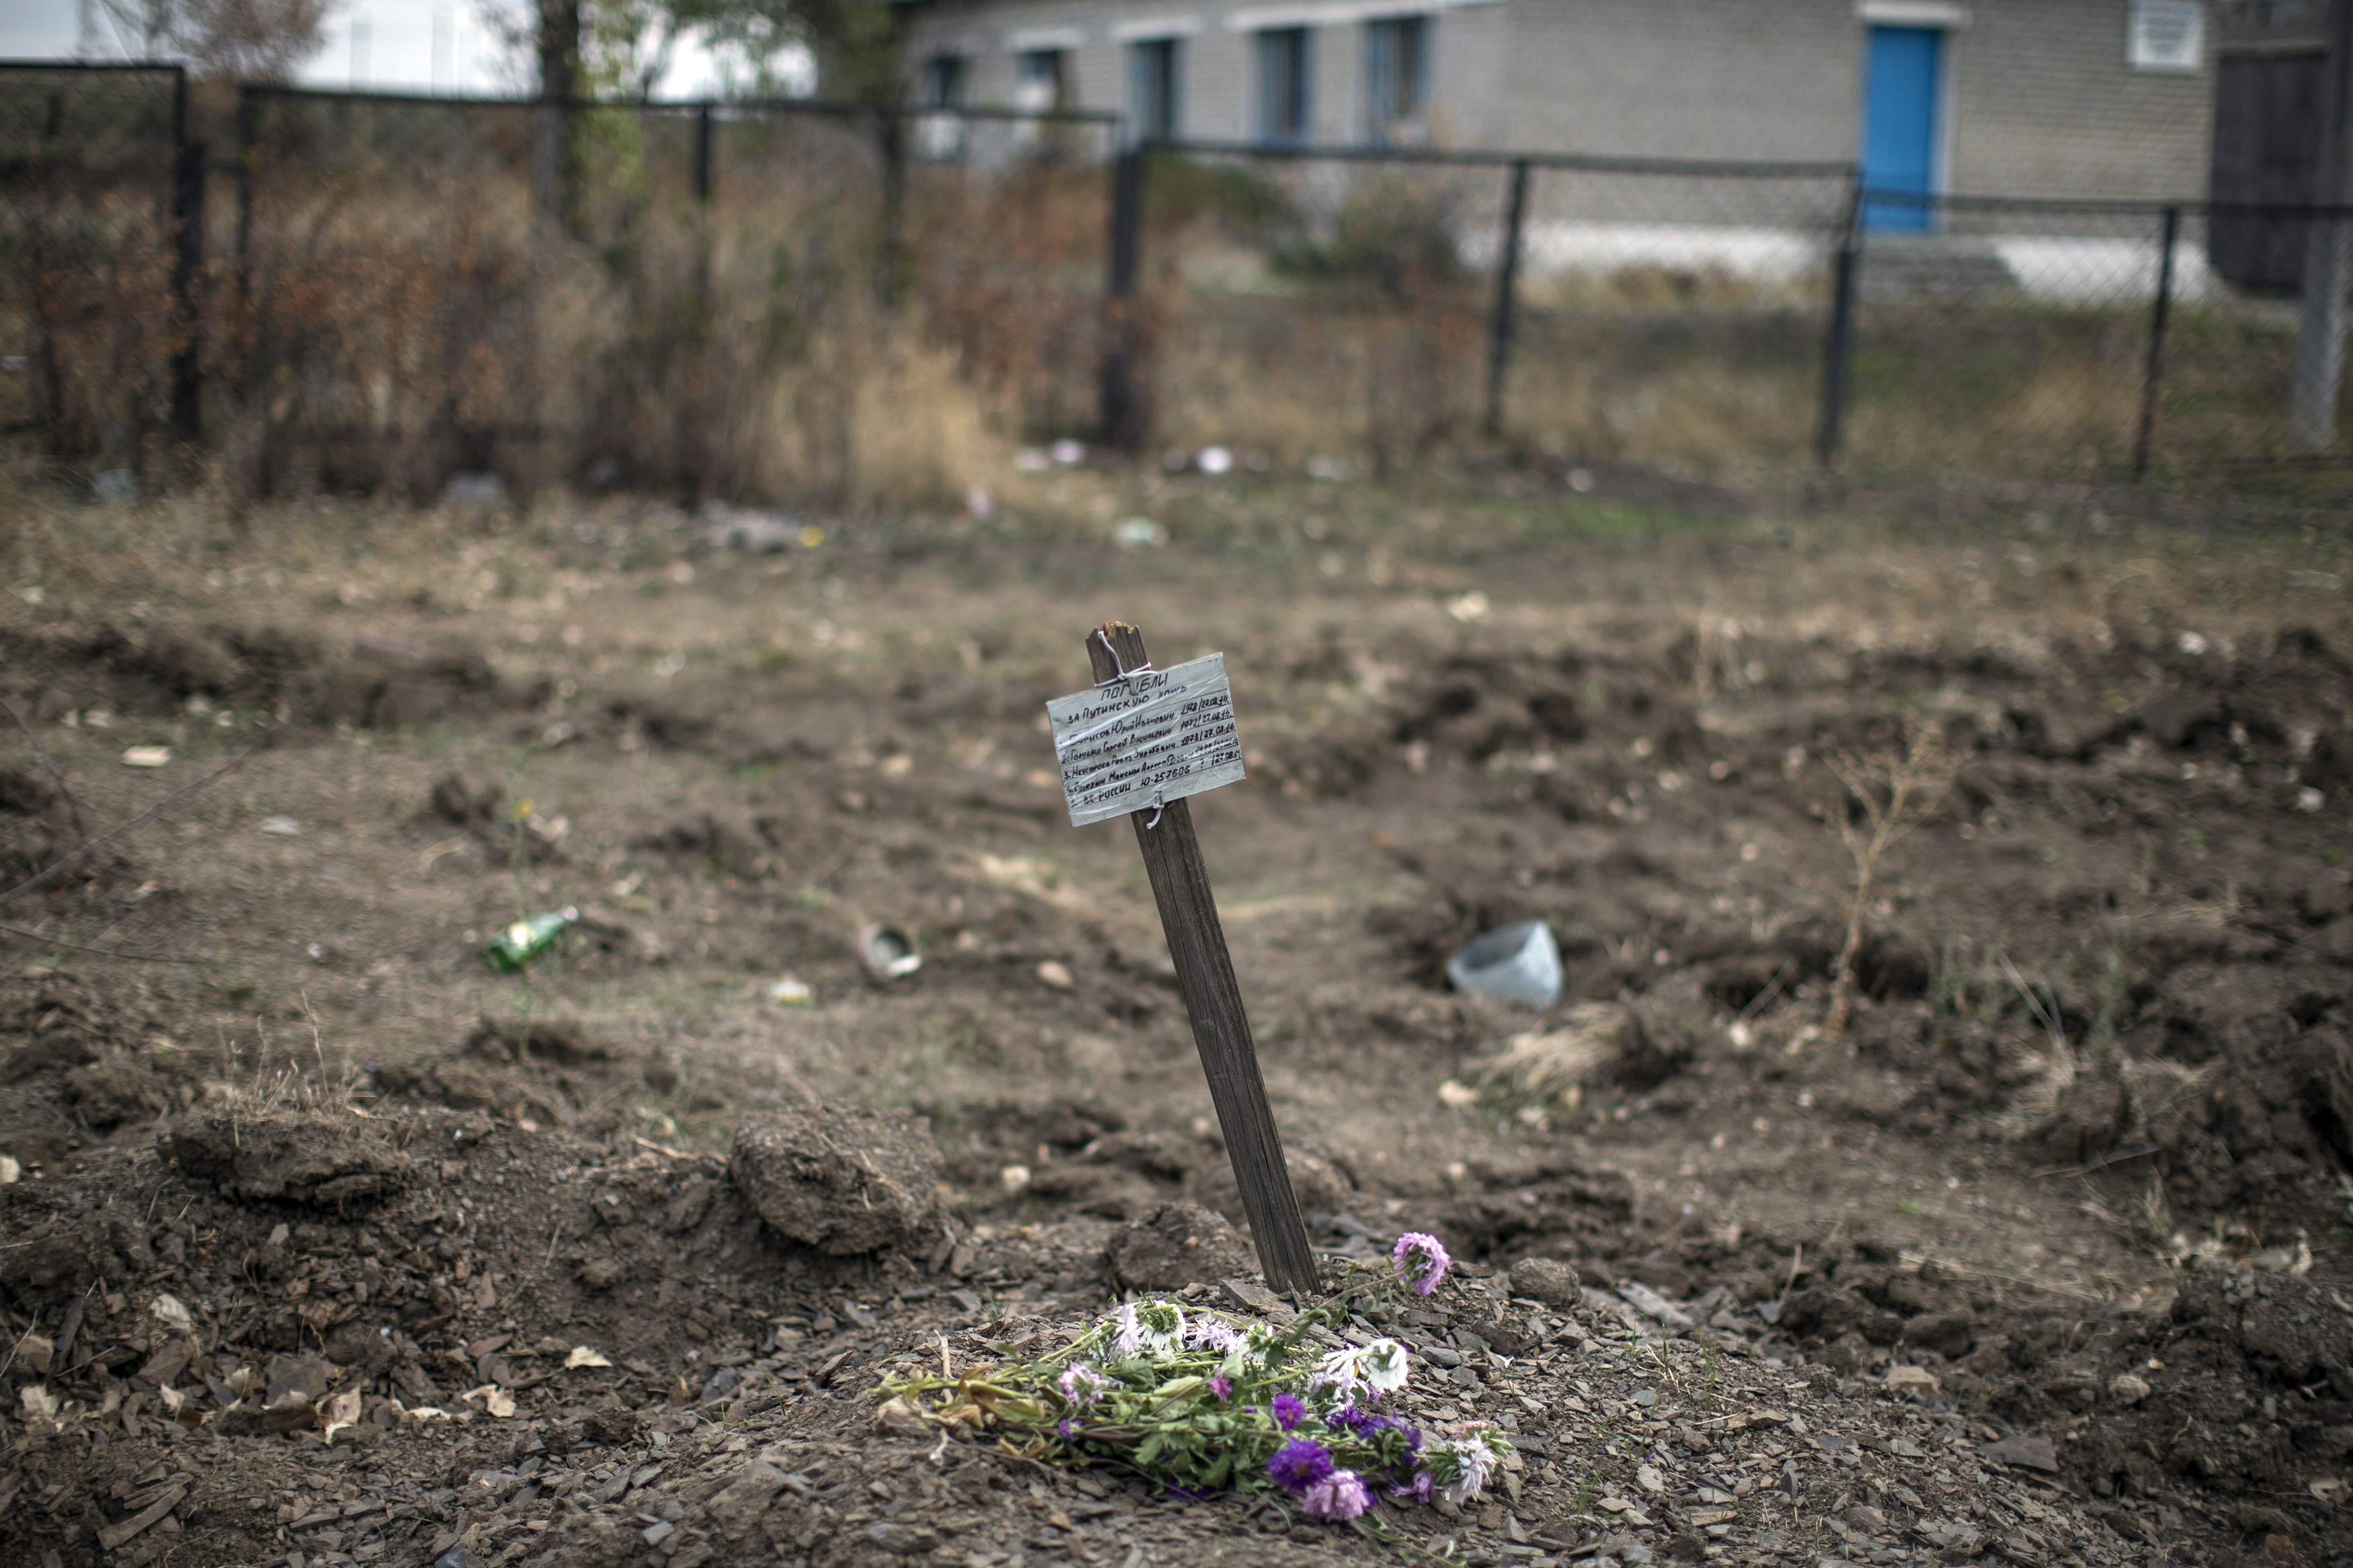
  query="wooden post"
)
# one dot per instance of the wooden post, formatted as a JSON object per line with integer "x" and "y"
{"x": 1213, "y": 1001}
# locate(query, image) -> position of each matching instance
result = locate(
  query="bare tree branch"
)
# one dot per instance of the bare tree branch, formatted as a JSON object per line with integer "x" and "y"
{"x": 243, "y": 40}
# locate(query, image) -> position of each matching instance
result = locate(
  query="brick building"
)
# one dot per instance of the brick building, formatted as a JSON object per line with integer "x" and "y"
{"x": 2023, "y": 98}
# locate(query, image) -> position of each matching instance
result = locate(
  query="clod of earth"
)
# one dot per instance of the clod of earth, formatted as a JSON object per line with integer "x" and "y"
{"x": 843, "y": 1180}
{"x": 1545, "y": 1279}
{"x": 1178, "y": 1245}
{"x": 304, "y": 1157}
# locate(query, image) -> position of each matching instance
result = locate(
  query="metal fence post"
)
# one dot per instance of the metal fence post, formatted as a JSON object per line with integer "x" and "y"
{"x": 2170, "y": 235}
{"x": 249, "y": 153}
{"x": 1838, "y": 340}
{"x": 891, "y": 268}
{"x": 187, "y": 262}
{"x": 703, "y": 128}
{"x": 703, "y": 133}
{"x": 1507, "y": 280}
{"x": 2319, "y": 379}
{"x": 1121, "y": 412}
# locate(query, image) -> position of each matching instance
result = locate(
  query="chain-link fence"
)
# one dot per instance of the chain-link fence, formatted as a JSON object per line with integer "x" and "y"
{"x": 743, "y": 299}
{"x": 1730, "y": 321}
{"x": 100, "y": 239}
{"x": 1326, "y": 303}
{"x": 1676, "y": 318}
{"x": 773, "y": 299}
{"x": 2094, "y": 340}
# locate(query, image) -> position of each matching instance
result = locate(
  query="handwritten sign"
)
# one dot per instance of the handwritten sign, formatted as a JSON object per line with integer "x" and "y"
{"x": 1146, "y": 739}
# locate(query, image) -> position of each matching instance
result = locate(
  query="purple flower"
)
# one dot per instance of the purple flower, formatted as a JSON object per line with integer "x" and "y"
{"x": 1067, "y": 1428}
{"x": 1429, "y": 1263}
{"x": 1299, "y": 1464}
{"x": 1287, "y": 1412}
{"x": 1082, "y": 1385}
{"x": 1418, "y": 1490}
{"x": 1222, "y": 1387}
{"x": 1340, "y": 1495}
{"x": 1208, "y": 1334}
{"x": 1367, "y": 1427}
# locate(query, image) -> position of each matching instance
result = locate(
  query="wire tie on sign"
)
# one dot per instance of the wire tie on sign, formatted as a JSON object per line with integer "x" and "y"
{"x": 1159, "y": 805}
{"x": 1124, "y": 673}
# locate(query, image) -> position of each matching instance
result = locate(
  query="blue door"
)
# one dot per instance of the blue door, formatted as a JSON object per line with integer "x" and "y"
{"x": 1900, "y": 116}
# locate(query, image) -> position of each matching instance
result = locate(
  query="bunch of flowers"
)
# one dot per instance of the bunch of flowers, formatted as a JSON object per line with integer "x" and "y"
{"x": 1204, "y": 1403}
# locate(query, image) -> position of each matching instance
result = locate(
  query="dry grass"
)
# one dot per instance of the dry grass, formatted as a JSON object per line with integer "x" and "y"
{"x": 276, "y": 1078}
{"x": 1893, "y": 792}
{"x": 1553, "y": 1065}
{"x": 404, "y": 313}
{"x": 86, "y": 295}
{"x": 1378, "y": 383}
{"x": 409, "y": 317}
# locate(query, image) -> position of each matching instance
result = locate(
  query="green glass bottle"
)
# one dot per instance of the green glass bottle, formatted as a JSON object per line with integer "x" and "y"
{"x": 525, "y": 939}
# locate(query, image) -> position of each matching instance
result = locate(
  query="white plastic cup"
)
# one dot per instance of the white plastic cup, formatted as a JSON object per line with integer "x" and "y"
{"x": 1515, "y": 964}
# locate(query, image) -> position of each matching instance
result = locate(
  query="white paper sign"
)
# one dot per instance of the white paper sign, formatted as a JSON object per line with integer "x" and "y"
{"x": 2166, "y": 36}
{"x": 1159, "y": 736}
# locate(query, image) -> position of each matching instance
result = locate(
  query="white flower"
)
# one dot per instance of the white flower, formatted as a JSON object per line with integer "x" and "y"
{"x": 1343, "y": 1372}
{"x": 1384, "y": 1365}
{"x": 1160, "y": 1335}
{"x": 1208, "y": 1334}
{"x": 1473, "y": 1462}
{"x": 1380, "y": 1366}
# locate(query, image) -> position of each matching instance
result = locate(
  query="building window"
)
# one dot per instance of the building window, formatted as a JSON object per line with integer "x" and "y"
{"x": 940, "y": 136}
{"x": 1156, "y": 89}
{"x": 944, "y": 81}
{"x": 1042, "y": 80}
{"x": 1285, "y": 71}
{"x": 1397, "y": 75}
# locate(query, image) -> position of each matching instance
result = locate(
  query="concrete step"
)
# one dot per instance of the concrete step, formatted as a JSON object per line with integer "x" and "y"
{"x": 1912, "y": 268}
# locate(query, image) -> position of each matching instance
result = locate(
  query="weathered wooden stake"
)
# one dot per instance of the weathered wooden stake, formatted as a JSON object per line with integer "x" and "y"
{"x": 1213, "y": 1001}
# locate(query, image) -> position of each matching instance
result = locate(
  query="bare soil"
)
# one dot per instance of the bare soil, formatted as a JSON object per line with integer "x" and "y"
{"x": 2075, "y": 1174}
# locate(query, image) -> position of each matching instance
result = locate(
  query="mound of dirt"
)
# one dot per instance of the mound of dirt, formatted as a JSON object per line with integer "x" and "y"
{"x": 290, "y": 1156}
{"x": 2245, "y": 1389}
{"x": 733, "y": 847}
{"x": 382, "y": 683}
{"x": 1474, "y": 707}
{"x": 552, "y": 1072}
{"x": 1554, "y": 1204}
{"x": 845, "y": 1180}
{"x": 1179, "y": 1244}
{"x": 84, "y": 1063}
{"x": 40, "y": 827}
{"x": 479, "y": 809}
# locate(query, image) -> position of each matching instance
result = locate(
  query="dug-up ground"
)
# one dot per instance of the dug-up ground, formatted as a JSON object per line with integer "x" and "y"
{"x": 323, "y": 1243}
